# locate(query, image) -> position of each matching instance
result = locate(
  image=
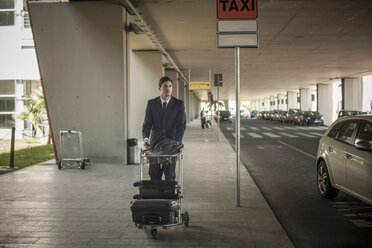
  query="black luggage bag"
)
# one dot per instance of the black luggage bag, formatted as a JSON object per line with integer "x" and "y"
{"x": 155, "y": 211}
{"x": 157, "y": 189}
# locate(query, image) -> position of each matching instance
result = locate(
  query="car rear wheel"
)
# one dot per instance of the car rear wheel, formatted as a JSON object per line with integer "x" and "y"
{"x": 325, "y": 188}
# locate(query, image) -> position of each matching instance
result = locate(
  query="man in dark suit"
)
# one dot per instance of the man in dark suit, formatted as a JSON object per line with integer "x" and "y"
{"x": 165, "y": 118}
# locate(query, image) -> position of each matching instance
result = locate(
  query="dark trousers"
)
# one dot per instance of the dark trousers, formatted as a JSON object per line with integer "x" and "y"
{"x": 203, "y": 122}
{"x": 169, "y": 170}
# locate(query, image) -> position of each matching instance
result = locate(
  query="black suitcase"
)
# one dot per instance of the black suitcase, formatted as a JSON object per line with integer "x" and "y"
{"x": 155, "y": 211}
{"x": 157, "y": 189}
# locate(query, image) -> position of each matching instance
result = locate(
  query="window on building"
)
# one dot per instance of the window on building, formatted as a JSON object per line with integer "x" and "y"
{"x": 7, "y": 87}
{"x": 282, "y": 101}
{"x": 7, "y": 104}
{"x": 7, "y": 12}
{"x": 6, "y": 121}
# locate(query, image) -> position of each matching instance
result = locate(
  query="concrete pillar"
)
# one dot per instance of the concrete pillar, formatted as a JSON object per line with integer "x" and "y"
{"x": 226, "y": 104}
{"x": 325, "y": 102}
{"x": 83, "y": 66}
{"x": 367, "y": 93}
{"x": 181, "y": 90}
{"x": 282, "y": 101}
{"x": 305, "y": 99}
{"x": 292, "y": 99}
{"x": 273, "y": 103}
{"x": 145, "y": 72}
{"x": 267, "y": 103}
{"x": 187, "y": 103}
{"x": 261, "y": 104}
{"x": 352, "y": 93}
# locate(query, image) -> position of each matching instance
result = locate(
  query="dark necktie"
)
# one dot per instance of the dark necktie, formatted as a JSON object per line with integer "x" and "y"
{"x": 164, "y": 106}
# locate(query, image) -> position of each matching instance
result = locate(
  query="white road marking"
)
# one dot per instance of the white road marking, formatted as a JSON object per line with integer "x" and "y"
{"x": 318, "y": 134}
{"x": 289, "y": 135}
{"x": 266, "y": 128}
{"x": 243, "y": 128}
{"x": 271, "y": 135}
{"x": 241, "y": 135}
{"x": 306, "y": 135}
{"x": 230, "y": 128}
{"x": 254, "y": 128}
{"x": 279, "y": 128}
{"x": 254, "y": 135}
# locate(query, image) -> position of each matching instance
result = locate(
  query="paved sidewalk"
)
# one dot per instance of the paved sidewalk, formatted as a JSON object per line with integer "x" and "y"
{"x": 41, "y": 206}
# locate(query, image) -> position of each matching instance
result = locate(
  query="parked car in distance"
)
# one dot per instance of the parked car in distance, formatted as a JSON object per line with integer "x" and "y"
{"x": 283, "y": 116}
{"x": 254, "y": 114}
{"x": 313, "y": 117}
{"x": 274, "y": 115}
{"x": 291, "y": 115}
{"x": 343, "y": 113}
{"x": 225, "y": 115}
{"x": 299, "y": 118}
{"x": 344, "y": 158}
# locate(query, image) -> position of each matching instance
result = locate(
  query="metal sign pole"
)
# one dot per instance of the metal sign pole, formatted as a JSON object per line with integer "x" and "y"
{"x": 237, "y": 123}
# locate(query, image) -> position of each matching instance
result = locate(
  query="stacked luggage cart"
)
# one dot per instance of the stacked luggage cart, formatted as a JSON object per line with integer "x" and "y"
{"x": 159, "y": 203}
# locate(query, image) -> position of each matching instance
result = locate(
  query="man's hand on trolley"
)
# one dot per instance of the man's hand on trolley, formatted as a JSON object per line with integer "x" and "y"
{"x": 146, "y": 143}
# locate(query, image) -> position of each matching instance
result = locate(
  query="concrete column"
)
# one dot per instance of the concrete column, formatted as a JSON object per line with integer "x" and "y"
{"x": 181, "y": 90}
{"x": 226, "y": 104}
{"x": 267, "y": 103}
{"x": 273, "y": 103}
{"x": 305, "y": 99}
{"x": 353, "y": 93}
{"x": 325, "y": 102}
{"x": 187, "y": 103}
{"x": 367, "y": 93}
{"x": 261, "y": 103}
{"x": 145, "y": 72}
{"x": 292, "y": 99}
{"x": 282, "y": 101}
{"x": 83, "y": 66}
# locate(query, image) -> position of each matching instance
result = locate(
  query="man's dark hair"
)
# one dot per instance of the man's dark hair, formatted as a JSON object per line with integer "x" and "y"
{"x": 164, "y": 79}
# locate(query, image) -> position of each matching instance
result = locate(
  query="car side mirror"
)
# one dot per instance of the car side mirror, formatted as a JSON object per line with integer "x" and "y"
{"x": 363, "y": 145}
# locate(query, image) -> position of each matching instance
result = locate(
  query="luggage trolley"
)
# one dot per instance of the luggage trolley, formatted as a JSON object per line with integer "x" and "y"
{"x": 71, "y": 145}
{"x": 181, "y": 218}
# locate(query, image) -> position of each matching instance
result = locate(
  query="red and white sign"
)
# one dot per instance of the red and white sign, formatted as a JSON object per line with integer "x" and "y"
{"x": 237, "y": 9}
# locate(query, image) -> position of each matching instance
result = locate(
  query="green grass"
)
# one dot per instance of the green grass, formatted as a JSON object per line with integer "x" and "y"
{"x": 28, "y": 156}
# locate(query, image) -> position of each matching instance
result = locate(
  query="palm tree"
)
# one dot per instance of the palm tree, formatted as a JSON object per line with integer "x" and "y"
{"x": 213, "y": 105}
{"x": 36, "y": 112}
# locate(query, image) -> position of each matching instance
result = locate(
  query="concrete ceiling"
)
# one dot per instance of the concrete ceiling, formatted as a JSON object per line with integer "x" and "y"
{"x": 301, "y": 43}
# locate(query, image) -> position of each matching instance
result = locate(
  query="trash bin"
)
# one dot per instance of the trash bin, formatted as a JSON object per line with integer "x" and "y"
{"x": 132, "y": 151}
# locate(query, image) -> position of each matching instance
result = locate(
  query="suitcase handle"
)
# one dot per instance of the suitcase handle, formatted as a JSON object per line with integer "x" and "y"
{"x": 151, "y": 219}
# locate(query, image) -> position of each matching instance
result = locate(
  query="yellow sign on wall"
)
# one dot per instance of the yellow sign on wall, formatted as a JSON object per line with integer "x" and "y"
{"x": 199, "y": 85}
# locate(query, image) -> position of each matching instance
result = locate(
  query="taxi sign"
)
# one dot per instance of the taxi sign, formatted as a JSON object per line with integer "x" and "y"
{"x": 199, "y": 85}
{"x": 236, "y": 9}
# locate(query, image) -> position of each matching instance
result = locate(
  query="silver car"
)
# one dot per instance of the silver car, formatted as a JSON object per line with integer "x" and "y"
{"x": 344, "y": 160}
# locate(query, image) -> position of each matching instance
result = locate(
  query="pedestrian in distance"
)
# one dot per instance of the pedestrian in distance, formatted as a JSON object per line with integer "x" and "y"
{"x": 164, "y": 119}
{"x": 203, "y": 116}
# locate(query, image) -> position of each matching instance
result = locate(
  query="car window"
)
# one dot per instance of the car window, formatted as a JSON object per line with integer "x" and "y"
{"x": 334, "y": 131}
{"x": 346, "y": 131}
{"x": 365, "y": 132}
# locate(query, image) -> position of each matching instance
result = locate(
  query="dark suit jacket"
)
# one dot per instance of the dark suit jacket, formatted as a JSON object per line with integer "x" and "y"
{"x": 171, "y": 124}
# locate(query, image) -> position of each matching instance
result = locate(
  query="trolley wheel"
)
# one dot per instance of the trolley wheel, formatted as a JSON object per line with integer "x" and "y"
{"x": 60, "y": 165}
{"x": 186, "y": 219}
{"x": 154, "y": 233}
{"x": 82, "y": 165}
